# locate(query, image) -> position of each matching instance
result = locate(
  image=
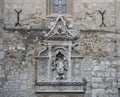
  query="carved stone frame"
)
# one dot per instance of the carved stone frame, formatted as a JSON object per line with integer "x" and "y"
{"x": 60, "y": 62}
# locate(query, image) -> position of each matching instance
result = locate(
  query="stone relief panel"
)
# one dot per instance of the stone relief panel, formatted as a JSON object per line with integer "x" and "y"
{"x": 61, "y": 65}
{"x": 56, "y": 59}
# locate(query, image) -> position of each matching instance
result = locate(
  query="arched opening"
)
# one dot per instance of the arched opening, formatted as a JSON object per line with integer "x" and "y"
{"x": 59, "y": 56}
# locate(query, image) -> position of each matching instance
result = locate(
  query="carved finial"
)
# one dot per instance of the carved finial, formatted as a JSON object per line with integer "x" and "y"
{"x": 60, "y": 6}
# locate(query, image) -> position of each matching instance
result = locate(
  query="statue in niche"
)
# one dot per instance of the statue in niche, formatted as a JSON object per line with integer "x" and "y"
{"x": 60, "y": 66}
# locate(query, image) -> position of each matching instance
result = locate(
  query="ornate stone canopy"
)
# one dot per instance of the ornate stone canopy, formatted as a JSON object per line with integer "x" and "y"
{"x": 60, "y": 30}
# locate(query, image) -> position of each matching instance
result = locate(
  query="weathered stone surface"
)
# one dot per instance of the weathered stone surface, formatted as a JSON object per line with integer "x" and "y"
{"x": 100, "y": 47}
{"x": 62, "y": 95}
{"x": 1, "y": 41}
{"x": 1, "y": 8}
{"x": 1, "y": 54}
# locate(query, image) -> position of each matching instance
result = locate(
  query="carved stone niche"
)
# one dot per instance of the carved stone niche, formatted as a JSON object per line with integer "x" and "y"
{"x": 59, "y": 63}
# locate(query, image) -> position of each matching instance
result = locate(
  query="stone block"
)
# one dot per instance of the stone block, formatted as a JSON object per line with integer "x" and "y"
{"x": 100, "y": 74}
{"x": 1, "y": 41}
{"x": 95, "y": 68}
{"x": 113, "y": 74}
{"x": 107, "y": 74}
{"x": 110, "y": 79}
{"x": 23, "y": 87}
{"x": 102, "y": 68}
{"x": 1, "y": 54}
{"x": 23, "y": 76}
{"x": 2, "y": 75}
{"x": 1, "y": 47}
{"x": 95, "y": 92}
{"x": 102, "y": 95}
{"x": 95, "y": 85}
{"x": 63, "y": 95}
{"x": 97, "y": 79}
{"x": 0, "y": 68}
{"x": 98, "y": 85}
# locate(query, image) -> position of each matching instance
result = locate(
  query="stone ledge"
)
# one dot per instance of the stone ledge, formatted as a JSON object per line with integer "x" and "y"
{"x": 83, "y": 83}
{"x": 59, "y": 91}
{"x": 60, "y": 87}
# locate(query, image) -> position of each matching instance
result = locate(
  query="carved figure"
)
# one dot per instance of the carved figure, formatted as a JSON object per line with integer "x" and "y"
{"x": 60, "y": 67}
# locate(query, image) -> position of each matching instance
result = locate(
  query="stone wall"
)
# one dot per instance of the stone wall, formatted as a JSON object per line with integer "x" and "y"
{"x": 87, "y": 17}
{"x": 99, "y": 65}
{"x": 98, "y": 45}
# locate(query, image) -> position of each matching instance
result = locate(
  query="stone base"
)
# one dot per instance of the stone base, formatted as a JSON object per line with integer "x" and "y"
{"x": 61, "y": 95}
{"x": 60, "y": 87}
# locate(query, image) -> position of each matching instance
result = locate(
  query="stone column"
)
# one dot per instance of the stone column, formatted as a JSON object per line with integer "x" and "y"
{"x": 35, "y": 60}
{"x": 49, "y": 63}
{"x": 69, "y": 62}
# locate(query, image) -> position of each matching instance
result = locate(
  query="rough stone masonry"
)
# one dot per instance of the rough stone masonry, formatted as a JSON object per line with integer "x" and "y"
{"x": 21, "y": 45}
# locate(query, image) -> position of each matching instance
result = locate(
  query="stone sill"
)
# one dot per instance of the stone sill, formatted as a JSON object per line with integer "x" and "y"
{"x": 59, "y": 91}
{"x": 55, "y": 15}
